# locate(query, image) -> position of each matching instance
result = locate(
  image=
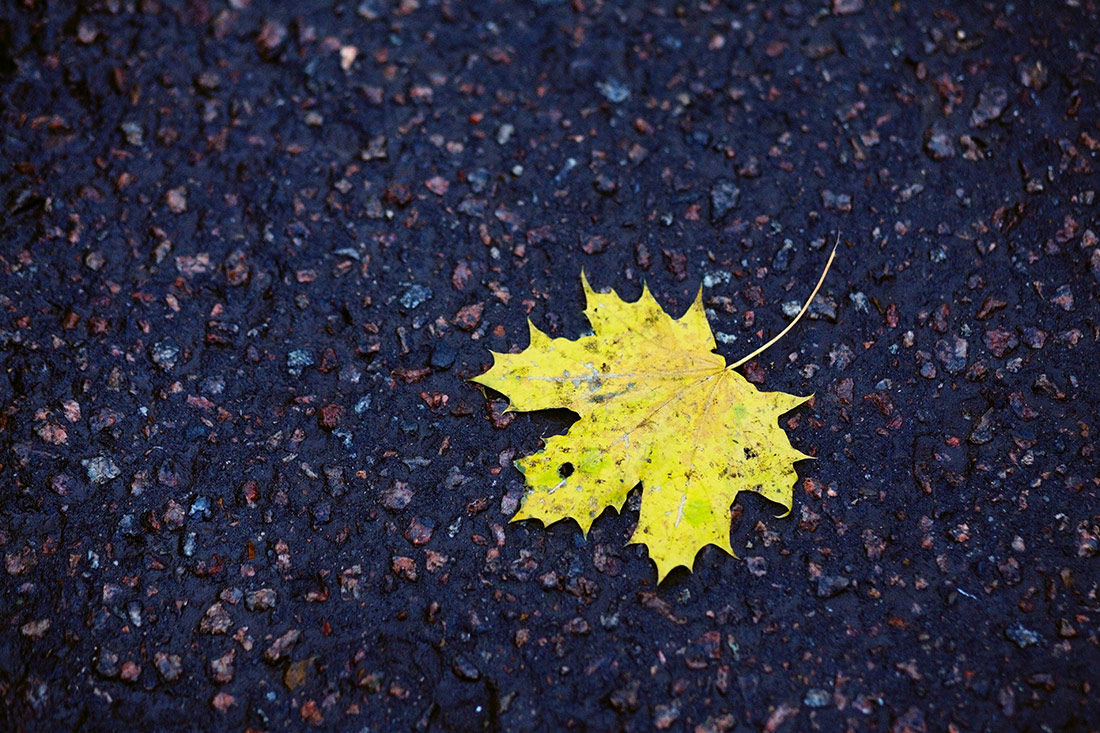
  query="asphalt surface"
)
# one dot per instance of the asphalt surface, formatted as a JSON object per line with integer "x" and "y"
{"x": 251, "y": 252}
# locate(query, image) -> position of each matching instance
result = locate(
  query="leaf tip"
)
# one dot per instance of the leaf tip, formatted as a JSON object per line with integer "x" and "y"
{"x": 663, "y": 570}
{"x": 586, "y": 286}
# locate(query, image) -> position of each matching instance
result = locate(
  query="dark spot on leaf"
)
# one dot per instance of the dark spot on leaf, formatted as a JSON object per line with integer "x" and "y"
{"x": 565, "y": 470}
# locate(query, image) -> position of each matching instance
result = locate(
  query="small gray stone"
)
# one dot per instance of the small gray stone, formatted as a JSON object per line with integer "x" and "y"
{"x": 822, "y": 307}
{"x": 165, "y": 354}
{"x": 818, "y": 46}
{"x": 133, "y": 132}
{"x": 991, "y": 103}
{"x": 478, "y": 179}
{"x": 222, "y": 669}
{"x": 95, "y": 260}
{"x": 260, "y": 600}
{"x": 758, "y": 566}
{"x": 334, "y": 480}
{"x": 831, "y": 585}
{"x": 370, "y": 10}
{"x": 128, "y": 526}
{"x": 1063, "y": 298}
{"x": 952, "y": 353}
{"x": 983, "y": 431}
{"x": 270, "y": 39}
{"x": 281, "y": 646}
{"x": 847, "y": 7}
{"x": 213, "y": 385}
{"x": 321, "y": 512}
{"x": 107, "y": 663}
{"x": 376, "y": 149}
{"x": 397, "y": 497}
{"x": 174, "y": 516}
{"x": 208, "y": 81}
{"x": 841, "y": 202}
{"x": 613, "y": 90}
{"x": 1032, "y": 74}
{"x": 231, "y": 595}
{"x": 816, "y": 698}
{"x": 841, "y": 356}
{"x": 443, "y": 355}
{"x": 415, "y": 296}
{"x": 1022, "y": 636}
{"x": 216, "y": 620}
{"x": 200, "y": 507}
{"x": 938, "y": 144}
{"x": 169, "y": 666}
{"x": 782, "y": 260}
{"x": 724, "y": 197}
{"x": 298, "y": 360}
{"x": 465, "y": 669}
{"x": 101, "y": 469}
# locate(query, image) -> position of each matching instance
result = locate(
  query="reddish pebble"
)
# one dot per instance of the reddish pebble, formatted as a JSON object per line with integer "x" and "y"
{"x": 331, "y": 415}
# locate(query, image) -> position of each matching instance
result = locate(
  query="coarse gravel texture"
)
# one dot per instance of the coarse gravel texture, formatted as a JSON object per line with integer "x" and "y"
{"x": 251, "y": 251}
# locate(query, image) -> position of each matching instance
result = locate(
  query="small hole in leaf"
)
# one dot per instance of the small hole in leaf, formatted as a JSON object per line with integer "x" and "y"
{"x": 565, "y": 470}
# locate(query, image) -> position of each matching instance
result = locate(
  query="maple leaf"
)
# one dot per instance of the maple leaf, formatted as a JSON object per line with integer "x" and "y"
{"x": 658, "y": 407}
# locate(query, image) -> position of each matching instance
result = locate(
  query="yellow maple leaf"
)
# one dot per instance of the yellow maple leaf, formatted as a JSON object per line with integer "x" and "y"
{"x": 658, "y": 407}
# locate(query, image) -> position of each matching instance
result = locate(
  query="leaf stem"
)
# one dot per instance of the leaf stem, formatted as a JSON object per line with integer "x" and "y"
{"x": 805, "y": 307}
